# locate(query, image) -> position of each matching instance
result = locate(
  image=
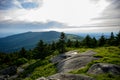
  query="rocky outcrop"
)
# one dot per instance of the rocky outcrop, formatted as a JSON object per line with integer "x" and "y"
{"x": 4, "y": 77}
{"x": 9, "y": 71}
{"x": 100, "y": 68}
{"x": 65, "y": 76}
{"x": 64, "y": 56}
{"x": 6, "y": 73}
{"x": 72, "y": 60}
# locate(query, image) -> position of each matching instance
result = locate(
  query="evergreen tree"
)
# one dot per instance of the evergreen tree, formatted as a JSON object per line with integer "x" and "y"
{"x": 77, "y": 44}
{"x": 94, "y": 42}
{"x": 87, "y": 42}
{"x": 39, "y": 50}
{"x": 61, "y": 43}
{"x": 111, "y": 40}
{"x": 29, "y": 54}
{"x": 102, "y": 41}
{"x": 117, "y": 39}
{"x": 69, "y": 43}
{"x": 7, "y": 59}
{"x": 22, "y": 52}
{"x": 53, "y": 46}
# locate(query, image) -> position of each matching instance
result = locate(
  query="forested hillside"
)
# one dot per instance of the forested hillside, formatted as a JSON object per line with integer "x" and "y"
{"x": 38, "y": 58}
{"x": 29, "y": 40}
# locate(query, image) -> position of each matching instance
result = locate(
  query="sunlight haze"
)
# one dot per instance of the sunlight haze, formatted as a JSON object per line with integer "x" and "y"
{"x": 59, "y": 15}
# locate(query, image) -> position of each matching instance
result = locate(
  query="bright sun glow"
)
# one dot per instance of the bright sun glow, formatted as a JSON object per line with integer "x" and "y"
{"x": 70, "y": 12}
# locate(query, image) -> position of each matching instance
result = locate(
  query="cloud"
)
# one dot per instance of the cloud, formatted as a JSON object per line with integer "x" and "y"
{"x": 10, "y": 27}
{"x": 26, "y": 4}
{"x": 111, "y": 14}
{"x": 6, "y": 4}
{"x": 94, "y": 1}
{"x": 17, "y": 27}
{"x": 71, "y": 12}
{"x": 113, "y": 10}
{"x": 60, "y": 15}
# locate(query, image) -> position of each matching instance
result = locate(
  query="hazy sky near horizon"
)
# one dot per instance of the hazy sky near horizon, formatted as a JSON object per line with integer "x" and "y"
{"x": 71, "y": 16}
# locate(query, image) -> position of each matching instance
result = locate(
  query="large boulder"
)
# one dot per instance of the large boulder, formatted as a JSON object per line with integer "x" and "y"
{"x": 73, "y": 60}
{"x": 100, "y": 68}
{"x": 70, "y": 61}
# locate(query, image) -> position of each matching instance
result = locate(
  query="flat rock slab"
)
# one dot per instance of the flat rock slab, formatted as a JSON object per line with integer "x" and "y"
{"x": 73, "y": 60}
{"x": 100, "y": 68}
{"x": 65, "y": 76}
{"x": 61, "y": 57}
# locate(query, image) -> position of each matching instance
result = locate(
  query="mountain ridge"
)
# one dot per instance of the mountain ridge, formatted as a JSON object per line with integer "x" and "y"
{"x": 30, "y": 39}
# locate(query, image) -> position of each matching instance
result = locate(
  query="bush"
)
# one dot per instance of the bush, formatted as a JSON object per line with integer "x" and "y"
{"x": 21, "y": 61}
{"x": 38, "y": 69}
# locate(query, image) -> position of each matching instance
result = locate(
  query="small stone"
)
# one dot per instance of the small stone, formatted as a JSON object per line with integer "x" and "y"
{"x": 41, "y": 78}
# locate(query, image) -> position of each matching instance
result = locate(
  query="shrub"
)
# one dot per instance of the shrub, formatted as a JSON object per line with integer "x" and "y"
{"x": 21, "y": 61}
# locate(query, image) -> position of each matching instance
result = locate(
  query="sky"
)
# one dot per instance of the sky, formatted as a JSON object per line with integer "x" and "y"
{"x": 71, "y": 16}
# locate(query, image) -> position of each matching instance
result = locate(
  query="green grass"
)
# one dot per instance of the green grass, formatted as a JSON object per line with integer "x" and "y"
{"x": 40, "y": 71}
{"x": 106, "y": 55}
{"x": 106, "y": 76}
{"x": 38, "y": 68}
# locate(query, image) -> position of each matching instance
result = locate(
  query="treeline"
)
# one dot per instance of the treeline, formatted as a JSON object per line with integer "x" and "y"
{"x": 42, "y": 49}
{"x": 89, "y": 42}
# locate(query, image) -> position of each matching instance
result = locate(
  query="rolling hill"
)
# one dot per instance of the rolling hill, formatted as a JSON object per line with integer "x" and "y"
{"x": 29, "y": 40}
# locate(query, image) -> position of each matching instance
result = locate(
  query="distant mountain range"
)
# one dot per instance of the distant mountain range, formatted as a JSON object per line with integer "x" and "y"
{"x": 29, "y": 40}
{"x": 96, "y": 35}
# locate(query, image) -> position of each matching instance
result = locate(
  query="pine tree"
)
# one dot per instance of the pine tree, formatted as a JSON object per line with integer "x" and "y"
{"x": 117, "y": 39}
{"x": 53, "y": 46}
{"x": 111, "y": 40}
{"x": 87, "y": 42}
{"x": 40, "y": 50}
{"x": 102, "y": 41}
{"x": 29, "y": 54}
{"x": 94, "y": 42}
{"x": 69, "y": 43}
{"x": 61, "y": 43}
{"x": 77, "y": 44}
{"x": 23, "y": 52}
